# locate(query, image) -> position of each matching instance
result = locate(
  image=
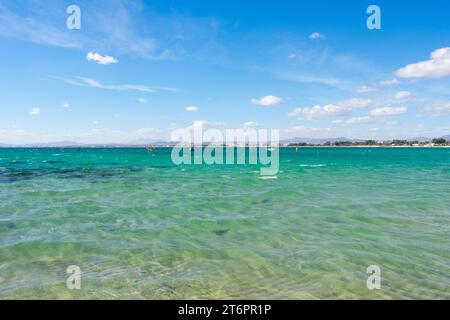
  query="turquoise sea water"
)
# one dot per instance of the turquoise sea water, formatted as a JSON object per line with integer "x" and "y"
{"x": 140, "y": 227}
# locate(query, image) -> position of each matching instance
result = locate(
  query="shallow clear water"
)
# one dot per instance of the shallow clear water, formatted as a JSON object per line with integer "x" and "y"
{"x": 140, "y": 227}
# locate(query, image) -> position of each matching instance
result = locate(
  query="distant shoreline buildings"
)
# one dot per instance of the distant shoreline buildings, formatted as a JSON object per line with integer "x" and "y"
{"x": 436, "y": 142}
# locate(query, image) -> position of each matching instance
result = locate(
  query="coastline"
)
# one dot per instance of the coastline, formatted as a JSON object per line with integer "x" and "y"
{"x": 171, "y": 146}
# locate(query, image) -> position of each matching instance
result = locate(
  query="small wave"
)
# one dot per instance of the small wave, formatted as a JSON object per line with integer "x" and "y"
{"x": 313, "y": 165}
{"x": 268, "y": 177}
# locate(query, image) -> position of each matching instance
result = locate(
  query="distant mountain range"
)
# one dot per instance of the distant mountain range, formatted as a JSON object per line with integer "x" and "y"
{"x": 420, "y": 139}
{"x": 147, "y": 142}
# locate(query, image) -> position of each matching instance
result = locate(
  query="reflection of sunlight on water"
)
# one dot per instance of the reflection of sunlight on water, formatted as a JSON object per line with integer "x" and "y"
{"x": 312, "y": 165}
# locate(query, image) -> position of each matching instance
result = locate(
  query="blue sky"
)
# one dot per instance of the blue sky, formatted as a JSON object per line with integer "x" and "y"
{"x": 138, "y": 69}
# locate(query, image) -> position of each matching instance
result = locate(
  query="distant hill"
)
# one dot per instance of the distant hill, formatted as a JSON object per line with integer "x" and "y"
{"x": 420, "y": 139}
{"x": 447, "y": 137}
{"x": 317, "y": 140}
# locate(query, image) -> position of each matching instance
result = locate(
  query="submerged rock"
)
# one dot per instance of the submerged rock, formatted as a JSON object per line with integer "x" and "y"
{"x": 221, "y": 232}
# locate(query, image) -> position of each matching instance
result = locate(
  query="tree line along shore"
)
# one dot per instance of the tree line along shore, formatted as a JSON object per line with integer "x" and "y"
{"x": 436, "y": 142}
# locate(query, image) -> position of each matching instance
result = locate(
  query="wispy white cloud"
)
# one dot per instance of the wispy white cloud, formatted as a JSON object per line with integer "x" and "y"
{"x": 147, "y": 132}
{"x": 366, "y": 89}
{"x": 438, "y": 109}
{"x": 35, "y": 29}
{"x": 437, "y": 66}
{"x": 267, "y": 101}
{"x": 250, "y": 124}
{"x": 337, "y": 109}
{"x": 290, "y": 76}
{"x": 105, "y": 60}
{"x": 87, "y": 82}
{"x": 35, "y": 111}
{"x": 21, "y": 136}
{"x": 65, "y": 105}
{"x": 359, "y": 120}
{"x": 388, "y": 111}
{"x": 119, "y": 87}
{"x": 353, "y": 103}
{"x": 204, "y": 124}
{"x": 354, "y": 120}
{"x": 403, "y": 95}
{"x": 390, "y": 82}
{"x": 316, "y": 111}
{"x": 112, "y": 26}
{"x": 316, "y": 36}
{"x": 192, "y": 109}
